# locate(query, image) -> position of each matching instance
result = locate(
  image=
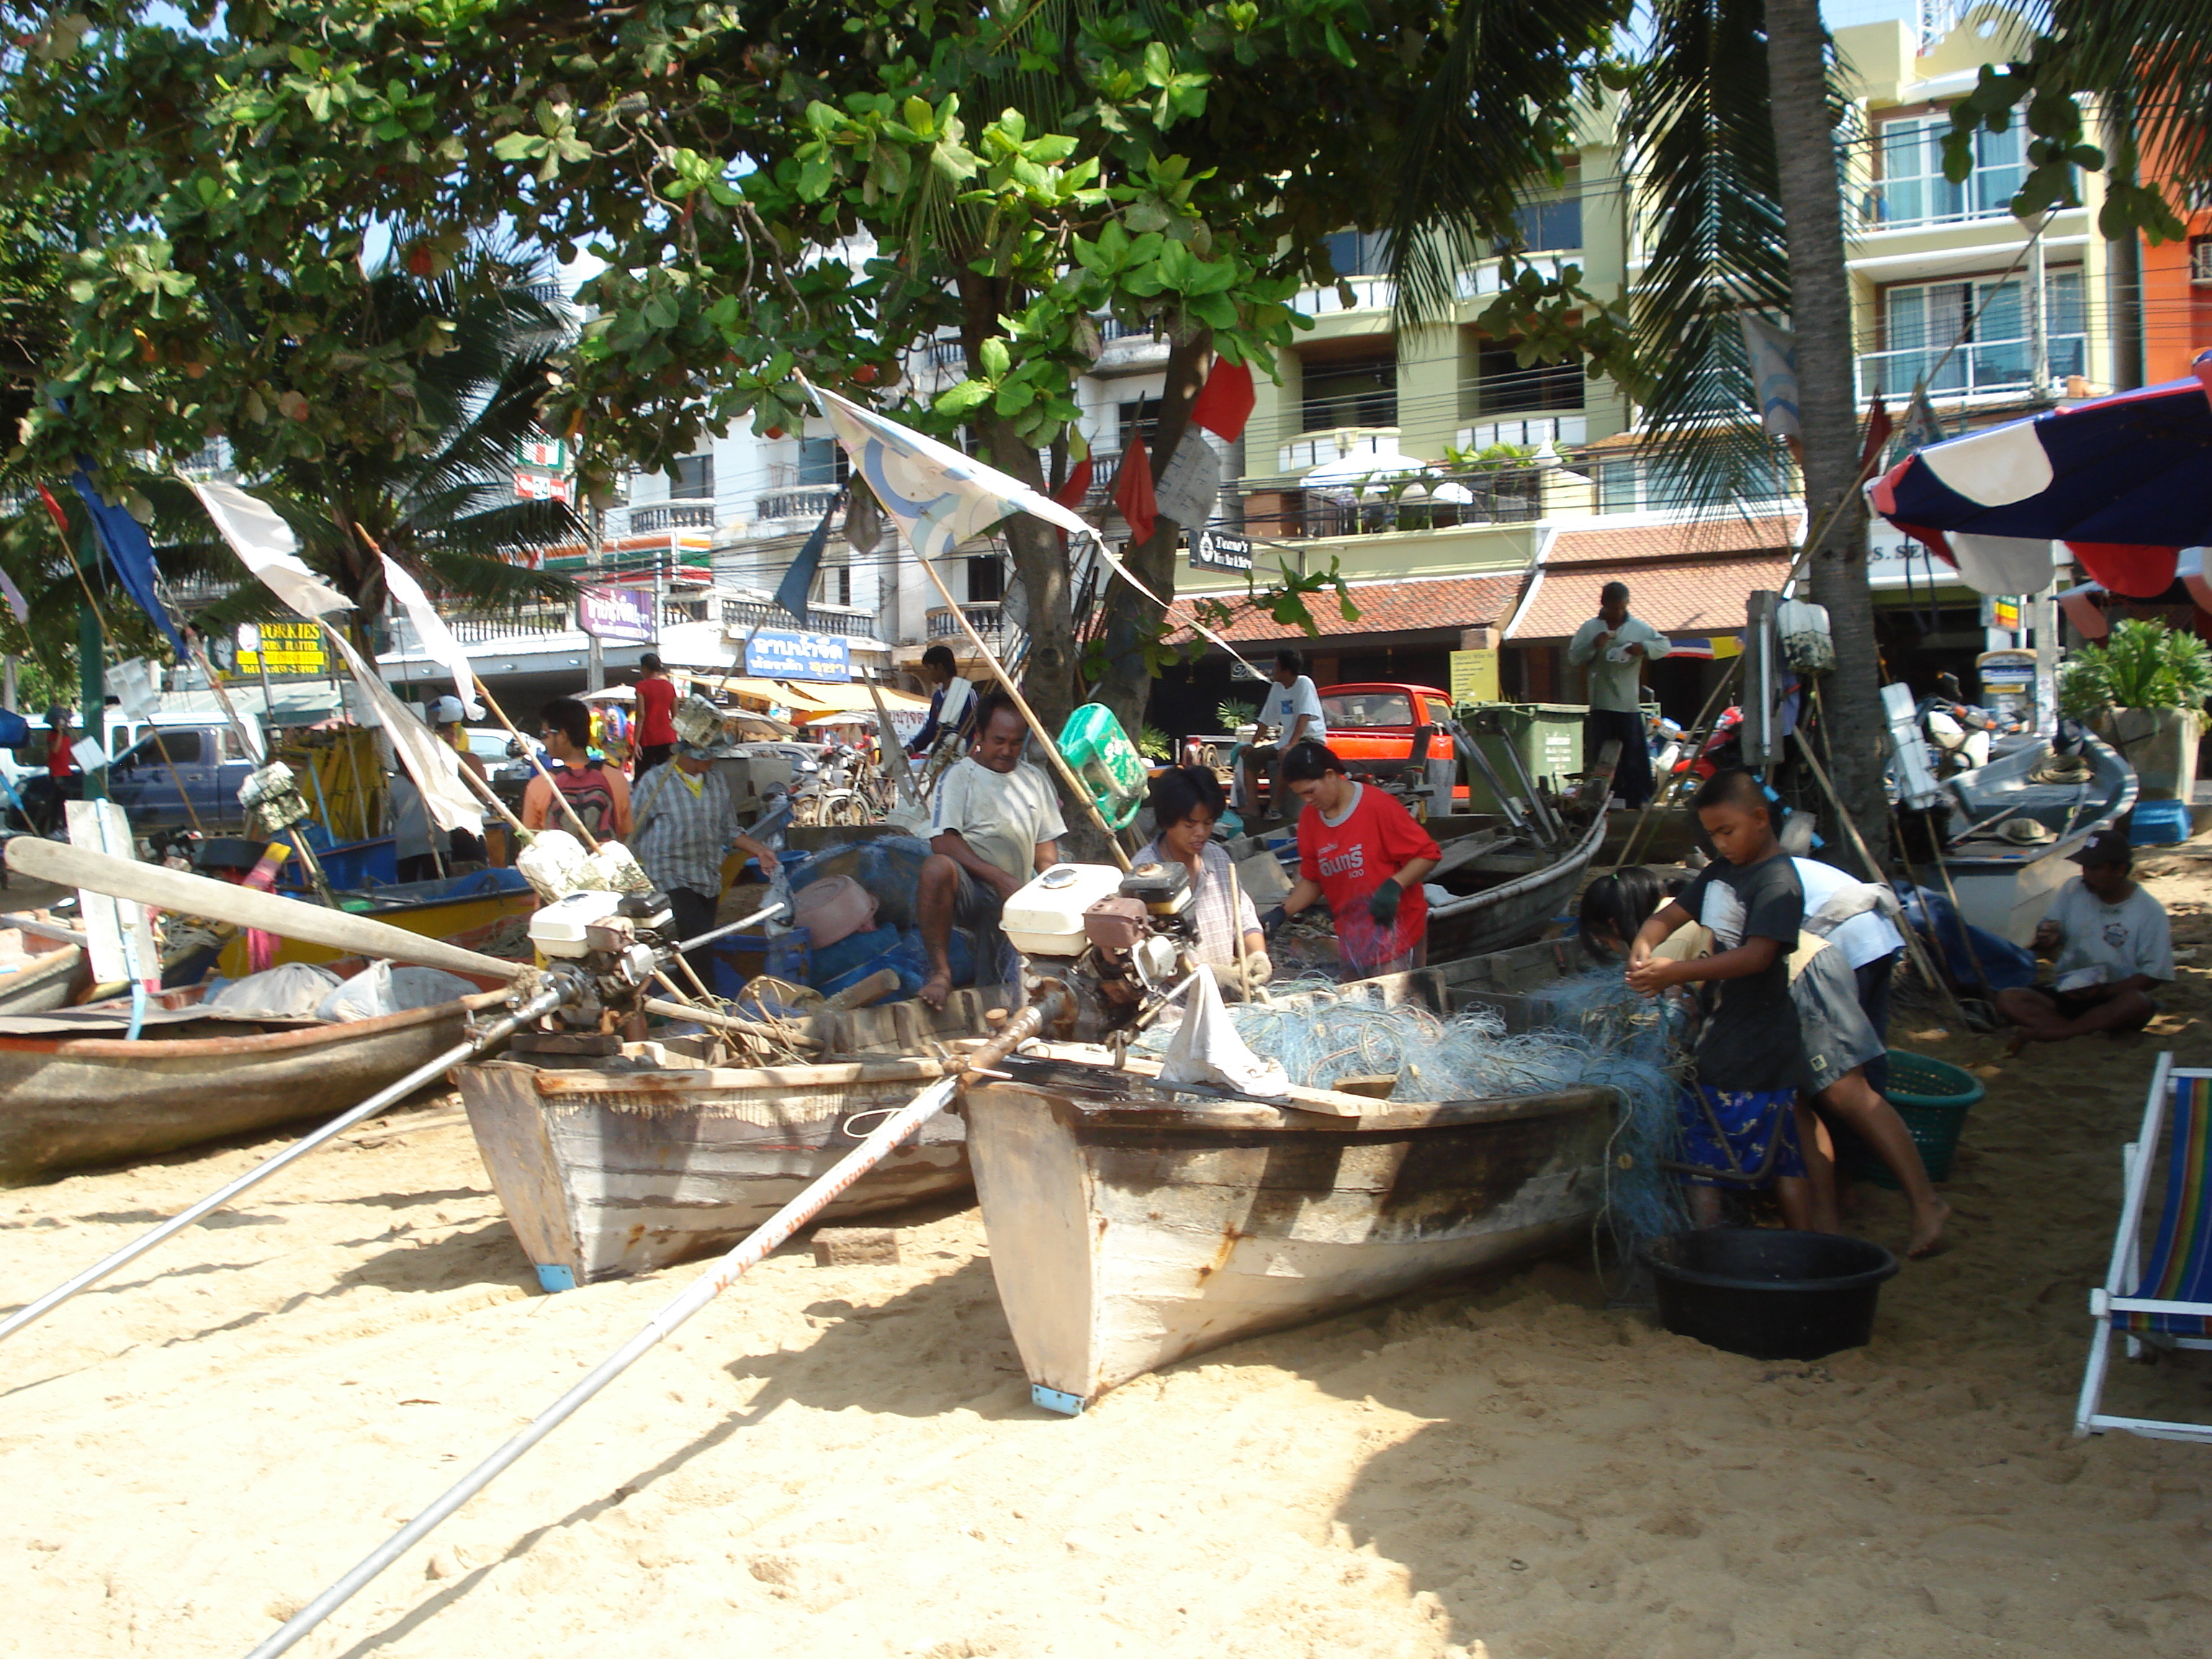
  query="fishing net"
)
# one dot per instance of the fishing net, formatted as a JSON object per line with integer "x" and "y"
{"x": 1587, "y": 1031}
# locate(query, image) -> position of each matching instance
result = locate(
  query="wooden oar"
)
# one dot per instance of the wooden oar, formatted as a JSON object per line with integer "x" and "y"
{"x": 197, "y": 895}
{"x": 779, "y": 1227}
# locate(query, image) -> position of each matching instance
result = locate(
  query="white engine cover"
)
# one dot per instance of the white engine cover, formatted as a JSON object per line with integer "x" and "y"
{"x": 558, "y": 929}
{"x": 1045, "y": 918}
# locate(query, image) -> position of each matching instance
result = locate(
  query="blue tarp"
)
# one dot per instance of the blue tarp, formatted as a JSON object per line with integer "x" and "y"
{"x": 2007, "y": 966}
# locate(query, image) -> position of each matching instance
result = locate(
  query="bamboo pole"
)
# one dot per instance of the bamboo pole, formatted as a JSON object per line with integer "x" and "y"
{"x": 776, "y": 1231}
{"x": 1052, "y": 748}
{"x": 542, "y": 1001}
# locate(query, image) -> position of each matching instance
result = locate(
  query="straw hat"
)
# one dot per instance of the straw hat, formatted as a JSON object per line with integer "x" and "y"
{"x": 2025, "y": 832}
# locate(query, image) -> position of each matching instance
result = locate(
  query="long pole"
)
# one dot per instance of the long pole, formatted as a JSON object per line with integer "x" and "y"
{"x": 543, "y": 1002}
{"x": 780, "y": 1226}
{"x": 1051, "y": 749}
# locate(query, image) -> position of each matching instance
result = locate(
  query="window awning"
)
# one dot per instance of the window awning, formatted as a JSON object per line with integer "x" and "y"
{"x": 1699, "y": 597}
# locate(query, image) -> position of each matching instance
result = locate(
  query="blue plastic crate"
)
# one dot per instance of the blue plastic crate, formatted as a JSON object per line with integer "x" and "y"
{"x": 2158, "y": 823}
{"x": 732, "y": 961}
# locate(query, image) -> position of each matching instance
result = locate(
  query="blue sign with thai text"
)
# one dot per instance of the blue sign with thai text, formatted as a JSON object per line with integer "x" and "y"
{"x": 775, "y": 654}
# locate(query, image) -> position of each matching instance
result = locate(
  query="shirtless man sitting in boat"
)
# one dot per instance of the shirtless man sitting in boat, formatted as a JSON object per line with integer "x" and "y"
{"x": 994, "y": 822}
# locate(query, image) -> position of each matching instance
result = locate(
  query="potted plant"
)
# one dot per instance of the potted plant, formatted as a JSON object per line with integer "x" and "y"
{"x": 2143, "y": 690}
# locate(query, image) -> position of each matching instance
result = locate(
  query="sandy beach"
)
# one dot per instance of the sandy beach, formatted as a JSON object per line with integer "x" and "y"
{"x": 845, "y": 1460}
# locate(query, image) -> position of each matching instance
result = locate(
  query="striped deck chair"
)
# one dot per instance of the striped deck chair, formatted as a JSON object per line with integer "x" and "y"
{"x": 2165, "y": 1299}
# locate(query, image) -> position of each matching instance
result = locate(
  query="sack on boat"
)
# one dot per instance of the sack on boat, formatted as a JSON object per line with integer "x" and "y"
{"x": 1206, "y": 1049}
{"x": 292, "y": 991}
{"x": 833, "y": 910}
{"x": 384, "y": 989}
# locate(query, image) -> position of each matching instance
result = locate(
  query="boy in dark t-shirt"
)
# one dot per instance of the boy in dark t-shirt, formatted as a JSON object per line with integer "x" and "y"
{"x": 1741, "y": 1113}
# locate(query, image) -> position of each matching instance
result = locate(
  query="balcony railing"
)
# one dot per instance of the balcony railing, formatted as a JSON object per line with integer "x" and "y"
{"x": 741, "y": 615}
{"x": 1986, "y": 368}
{"x": 983, "y": 616}
{"x": 1560, "y": 431}
{"x": 481, "y": 629}
{"x": 659, "y": 516}
{"x": 1314, "y": 448}
{"x": 1389, "y": 505}
{"x": 807, "y": 502}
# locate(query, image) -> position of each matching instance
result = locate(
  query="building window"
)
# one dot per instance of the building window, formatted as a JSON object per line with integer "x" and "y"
{"x": 692, "y": 479}
{"x": 1359, "y": 253}
{"x": 833, "y": 585}
{"x": 1351, "y": 392}
{"x": 1964, "y": 339}
{"x": 823, "y": 461}
{"x": 1504, "y": 388}
{"x": 1616, "y": 487}
{"x": 1544, "y": 226}
{"x": 987, "y": 579}
{"x": 1140, "y": 422}
{"x": 1912, "y": 190}
{"x": 2200, "y": 261}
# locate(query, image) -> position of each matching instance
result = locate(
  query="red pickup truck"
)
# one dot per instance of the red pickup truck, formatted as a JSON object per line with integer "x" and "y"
{"x": 1371, "y": 726}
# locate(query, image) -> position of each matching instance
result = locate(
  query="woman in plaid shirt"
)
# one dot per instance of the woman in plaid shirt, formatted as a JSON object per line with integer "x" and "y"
{"x": 1187, "y": 803}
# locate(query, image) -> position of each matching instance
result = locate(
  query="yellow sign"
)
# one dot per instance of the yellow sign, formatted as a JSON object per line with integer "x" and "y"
{"x": 293, "y": 648}
{"x": 1475, "y": 676}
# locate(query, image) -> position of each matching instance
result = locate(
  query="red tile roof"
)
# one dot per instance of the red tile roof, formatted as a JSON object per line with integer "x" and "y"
{"x": 1385, "y": 607}
{"x": 1696, "y": 538}
{"x": 1703, "y": 597}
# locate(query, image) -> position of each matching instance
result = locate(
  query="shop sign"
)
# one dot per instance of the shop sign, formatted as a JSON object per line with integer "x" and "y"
{"x": 780, "y": 654}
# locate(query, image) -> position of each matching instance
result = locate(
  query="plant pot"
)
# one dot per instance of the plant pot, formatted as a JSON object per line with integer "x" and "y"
{"x": 2160, "y": 743}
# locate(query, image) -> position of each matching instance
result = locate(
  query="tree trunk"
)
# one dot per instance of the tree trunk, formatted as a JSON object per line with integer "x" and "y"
{"x": 1821, "y": 307}
{"x": 1125, "y": 686}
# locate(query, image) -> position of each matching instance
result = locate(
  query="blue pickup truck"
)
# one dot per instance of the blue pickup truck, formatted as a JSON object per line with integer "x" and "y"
{"x": 153, "y": 778}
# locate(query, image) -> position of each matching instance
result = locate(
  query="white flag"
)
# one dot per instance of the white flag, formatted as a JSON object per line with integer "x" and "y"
{"x": 437, "y": 640}
{"x": 435, "y": 766}
{"x": 1773, "y": 354}
{"x": 265, "y": 544}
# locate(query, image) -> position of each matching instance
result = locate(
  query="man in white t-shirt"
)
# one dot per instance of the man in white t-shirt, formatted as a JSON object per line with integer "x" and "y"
{"x": 2113, "y": 945}
{"x": 1870, "y": 943}
{"x": 1291, "y": 715}
{"x": 994, "y": 822}
{"x": 1614, "y": 646}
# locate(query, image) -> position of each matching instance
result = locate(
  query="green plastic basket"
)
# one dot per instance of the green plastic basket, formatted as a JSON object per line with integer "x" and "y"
{"x": 1932, "y": 1096}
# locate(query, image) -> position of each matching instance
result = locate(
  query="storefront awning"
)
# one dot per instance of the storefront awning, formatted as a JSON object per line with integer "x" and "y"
{"x": 1701, "y": 597}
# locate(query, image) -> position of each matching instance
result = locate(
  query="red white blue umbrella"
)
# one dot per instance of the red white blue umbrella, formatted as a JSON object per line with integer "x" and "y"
{"x": 2125, "y": 481}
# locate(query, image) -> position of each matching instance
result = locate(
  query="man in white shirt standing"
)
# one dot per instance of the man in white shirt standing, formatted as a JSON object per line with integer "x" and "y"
{"x": 2114, "y": 946}
{"x": 1291, "y": 715}
{"x": 994, "y": 822}
{"x": 1614, "y": 646}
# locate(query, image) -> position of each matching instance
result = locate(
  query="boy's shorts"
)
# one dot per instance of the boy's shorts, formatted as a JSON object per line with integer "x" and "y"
{"x": 1749, "y": 1118}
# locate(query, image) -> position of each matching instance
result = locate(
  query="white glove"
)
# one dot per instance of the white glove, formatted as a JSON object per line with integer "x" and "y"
{"x": 1258, "y": 970}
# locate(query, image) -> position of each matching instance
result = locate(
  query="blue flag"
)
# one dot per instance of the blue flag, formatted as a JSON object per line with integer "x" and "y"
{"x": 799, "y": 582}
{"x": 129, "y": 552}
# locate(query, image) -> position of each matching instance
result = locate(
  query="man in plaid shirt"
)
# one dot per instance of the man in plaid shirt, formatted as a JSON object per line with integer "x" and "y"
{"x": 685, "y": 822}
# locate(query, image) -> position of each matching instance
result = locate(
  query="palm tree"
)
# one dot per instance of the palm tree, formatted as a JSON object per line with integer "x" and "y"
{"x": 428, "y": 480}
{"x": 1731, "y": 110}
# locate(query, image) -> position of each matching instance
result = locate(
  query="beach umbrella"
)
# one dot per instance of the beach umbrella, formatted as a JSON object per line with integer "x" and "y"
{"x": 2123, "y": 483}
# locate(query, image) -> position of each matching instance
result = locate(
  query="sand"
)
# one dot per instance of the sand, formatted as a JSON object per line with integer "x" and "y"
{"x": 844, "y": 1460}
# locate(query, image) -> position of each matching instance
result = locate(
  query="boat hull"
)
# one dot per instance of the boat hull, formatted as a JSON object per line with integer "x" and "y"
{"x": 44, "y": 982}
{"x": 471, "y": 921}
{"x": 74, "y": 1103}
{"x": 2004, "y": 888}
{"x": 1127, "y": 1235}
{"x": 604, "y": 1174}
{"x": 1516, "y": 911}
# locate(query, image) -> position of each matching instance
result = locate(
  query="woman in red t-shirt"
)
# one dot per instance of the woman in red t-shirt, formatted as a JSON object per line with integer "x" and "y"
{"x": 655, "y": 730}
{"x": 1363, "y": 852}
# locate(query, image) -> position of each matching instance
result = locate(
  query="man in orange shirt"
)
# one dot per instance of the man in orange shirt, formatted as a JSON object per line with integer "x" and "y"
{"x": 1363, "y": 852}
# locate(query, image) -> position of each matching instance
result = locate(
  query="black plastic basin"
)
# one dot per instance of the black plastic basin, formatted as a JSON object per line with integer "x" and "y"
{"x": 1770, "y": 1294}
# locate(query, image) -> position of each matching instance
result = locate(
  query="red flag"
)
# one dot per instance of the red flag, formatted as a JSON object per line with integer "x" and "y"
{"x": 1878, "y": 429}
{"x": 1224, "y": 402}
{"x": 1071, "y": 494}
{"x": 54, "y": 507}
{"x": 1132, "y": 490}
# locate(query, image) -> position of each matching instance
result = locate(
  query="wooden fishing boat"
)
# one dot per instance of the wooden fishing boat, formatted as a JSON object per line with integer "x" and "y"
{"x": 75, "y": 1093}
{"x": 613, "y": 1167}
{"x": 2004, "y": 887}
{"x": 1131, "y": 1224}
{"x": 1505, "y": 896}
{"x": 45, "y": 980}
{"x": 475, "y": 912}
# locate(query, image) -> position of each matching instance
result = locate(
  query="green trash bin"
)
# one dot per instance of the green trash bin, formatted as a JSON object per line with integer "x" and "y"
{"x": 1547, "y": 736}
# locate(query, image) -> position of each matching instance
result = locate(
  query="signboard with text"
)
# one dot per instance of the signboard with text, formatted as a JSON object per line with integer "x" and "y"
{"x": 1895, "y": 560}
{"x": 281, "y": 647}
{"x": 616, "y": 615}
{"x": 780, "y": 654}
{"x": 1217, "y": 549}
{"x": 1474, "y": 676}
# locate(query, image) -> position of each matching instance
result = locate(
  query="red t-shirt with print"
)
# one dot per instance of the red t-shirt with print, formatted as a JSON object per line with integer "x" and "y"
{"x": 656, "y": 702}
{"x": 1351, "y": 860}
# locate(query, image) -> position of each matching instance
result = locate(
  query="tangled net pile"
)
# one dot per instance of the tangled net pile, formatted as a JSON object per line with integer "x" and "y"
{"x": 1592, "y": 1032}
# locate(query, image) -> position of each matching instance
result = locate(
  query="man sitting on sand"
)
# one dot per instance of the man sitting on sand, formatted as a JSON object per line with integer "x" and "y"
{"x": 994, "y": 822}
{"x": 2113, "y": 945}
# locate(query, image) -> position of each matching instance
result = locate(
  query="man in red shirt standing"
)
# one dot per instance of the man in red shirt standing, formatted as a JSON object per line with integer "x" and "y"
{"x": 655, "y": 730}
{"x": 1361, "y": 851}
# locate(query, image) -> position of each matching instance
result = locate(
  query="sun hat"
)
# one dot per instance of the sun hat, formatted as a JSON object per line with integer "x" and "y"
{"x": 2025, "y": 832}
